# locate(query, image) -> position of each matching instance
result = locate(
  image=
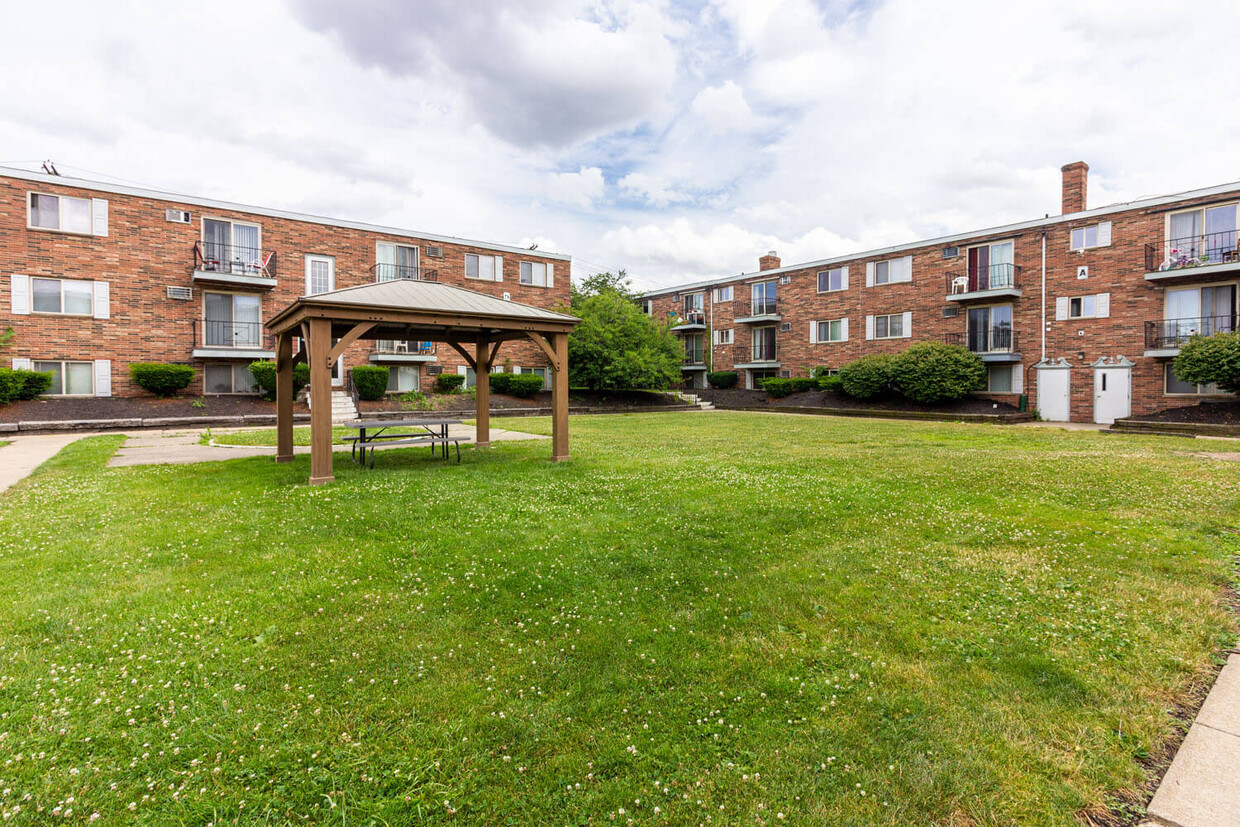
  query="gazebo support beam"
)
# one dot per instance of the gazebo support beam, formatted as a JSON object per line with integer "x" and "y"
{"x": 320, "y": 346}
{"x": 482, "y": 390}
{"x": 357, "y": 331}
{"x": 284, "y": 397}
{"x": 465, "y": 354}
{"x": 559, "y": 398}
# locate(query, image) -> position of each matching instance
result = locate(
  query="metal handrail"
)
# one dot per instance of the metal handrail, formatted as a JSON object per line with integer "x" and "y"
{"x": 998, "y": 340}
{"x": 384, "y": 271}
{"x": 214, "y": 257}
{"x": 1170, "y": 333}
{"x": 235, "y": 335}
{"x": 764, "y": 307}
{"x": 1192, "y": 251}
{"x": 411, "y": 347}
{"x": 982, "y": 279}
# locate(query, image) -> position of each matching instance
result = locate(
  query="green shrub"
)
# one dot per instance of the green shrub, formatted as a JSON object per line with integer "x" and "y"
{"x": 777, "y": 388}
{"x": 501, "y": 381}
{"x": 820, "y": 372}
{"x": 415, "y": 401}
{"x": 867, "y": 378}
{"x": 933, "y": 372}
{"x": 723, "y": 379}
{"x": 829, "y": 383}
{"x": 449, "y": 382}
{"x": 525, "y": 385}
{"x": 1210, "y": 360}
{"x": 264, "y": 374}
{"x": 23, "y": 385}
{"x": 11, "y": 381}
{"x": 371, "y": 382}
{"x": 803, "y": 383}
{"x": 160, "y": 378}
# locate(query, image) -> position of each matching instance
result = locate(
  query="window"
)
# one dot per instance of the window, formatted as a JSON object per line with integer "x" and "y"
{"x": 232, "y": 247}
{"x": 1082, "y": 307}
{"x": 723, "y": 294}
{"x": 694, "y": 303}
{"x": 71, "y": 215}
{"x": 990, "y": 329}
{"x": 756, "y": 377}
{"x": 1201, "y": 236}
{"x": 69, "y": 378}
{"x": 889, "y": 272}
{"x": 545, "y": 373}
{"x": 724, "y": 337}
{"x": 830, "y": 281}
{"x": 889, "y": 327}
{"x": 999, "y": 378}
{"x": 232, "y": 320}
{"x": 1095, "y": 235}
{"x": 395, "y": 261}
{"x": 62, "y": 296}
{"x": 695, "y": 353}
{"x": 764, "y": 299}
{"x": 1174, "y": 385}
{"x": 648, "y": 307}
{"x": 402, "y": 379}
{"x": 835, "y": 330}
{"x": 764, "y": 344}
{"x": 320, "y": 274}
{"x": 225, "y": 377}
{"x": 991, "y": 267}
{"x": 534, "y": 273}
{"x": 1197, "y": 311}
{"x": 485, "y": 268}
{"x": 1097, "y": 306}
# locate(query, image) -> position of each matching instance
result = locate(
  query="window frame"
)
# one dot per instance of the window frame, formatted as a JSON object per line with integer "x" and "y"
{"x": 1169, "y": 372}
{"x": 232, "y": 298}
{"x": 312, "y": 258}
{"x": 232, "y": 223}
{"x": 232, "y": 380}
{"x": 495, "y": 260}
{"x": 731, "y": 337}
{"x": 60, "y": 213}
{"x": 889, "y": 317}
{"x": 531, "y": 265}
{"x": 839, "y": 326}
{"x": 62, "y": 312}
{"x": 990, "y": 370}
{"x": 753, "y": 342}
{"x": 718, "y": 297}
{"x": 1084, "y": 230}
{"x": 1093, "y": 297}
{"x": 840, "y": 272}
{"x": 34, "y": 364}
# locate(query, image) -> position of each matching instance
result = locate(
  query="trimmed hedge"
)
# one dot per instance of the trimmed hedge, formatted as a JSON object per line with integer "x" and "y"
{"x": 525, "y": 385}
{"x": 933, "y": 372}
{"x": 803, "y": 383}
{"x": 264, "y": 374}
{"x": 829, "y": 383}
{"x": 500, "y": 382}
{"x": 867, "y": 378}
{"x": 23, "y": 385}
{"x": 449, "y": 382}
{"x": 371, "y": 382}
{"x": 161, "y": 378}
{"x": 777, "y": 388}
{"x": 723, "y": 379}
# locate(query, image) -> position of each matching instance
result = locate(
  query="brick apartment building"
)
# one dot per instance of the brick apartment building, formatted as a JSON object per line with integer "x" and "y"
{"x": 1083, "y": 311}
{"x": 97, "y": 276}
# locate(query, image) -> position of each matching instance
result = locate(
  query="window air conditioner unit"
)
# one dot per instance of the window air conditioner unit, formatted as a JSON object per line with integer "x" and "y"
{"x": 177, "y": 216}
{"x": 951, "y": 312}
{"x": 785, "y": 374}
{"x": 951, "y": 252}
{"x": 180, "y": 293}
{"x": 434, "y": 370}
{"x": 434, "y": 252}
{"x": 785, "y": 327}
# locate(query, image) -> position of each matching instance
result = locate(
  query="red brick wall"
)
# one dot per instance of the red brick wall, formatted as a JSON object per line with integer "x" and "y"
{"x": 143, "y": 254}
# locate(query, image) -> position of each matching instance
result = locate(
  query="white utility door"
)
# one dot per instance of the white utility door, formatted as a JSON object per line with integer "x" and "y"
{"x": 1053, "y": 394}
{"x": 338, "y": 369}
{"x": 1112, "y": 394}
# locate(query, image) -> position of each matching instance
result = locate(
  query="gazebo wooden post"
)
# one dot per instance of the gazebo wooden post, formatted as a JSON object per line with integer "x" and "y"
{"x": 559, "y": 398}
{"x": 482, "y": 391}
{"x": 320, "y": 346}
{"x": 284, "y": 397}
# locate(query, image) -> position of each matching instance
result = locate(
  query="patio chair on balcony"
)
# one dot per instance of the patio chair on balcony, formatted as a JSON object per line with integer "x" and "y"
{"x": 254, "y": 266}
{"x": 960, "y": 284}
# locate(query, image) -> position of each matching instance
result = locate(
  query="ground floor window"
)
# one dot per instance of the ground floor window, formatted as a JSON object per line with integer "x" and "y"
{"x": 1175, "y": 385}
{"x": 403, "y": 379}
{"x": 544, "y": 373}
{"x": 228, "y": 377}
{"x": 999, "y": 379}
{"x": 69, "y": 378}
{"x": 756, "y": 376}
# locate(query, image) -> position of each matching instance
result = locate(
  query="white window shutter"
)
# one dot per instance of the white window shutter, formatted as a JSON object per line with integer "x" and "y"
{"x": 1104, "y": 234}
{"x": 869, "y": 279}
{"x": 1018, "y": 379}
{"x": 843, "y": 278}
{"x": 103, "y": 304}
{"x": 19, "y": 294}
{"x": 550, "y": 274}
{"x": 98, "y": 216}
{"x": 1061, "y": 308}
{"x": 905, "y": 269}
{"x": 908, "y": 324}
{"x": 1102, "y": 306}
{"x": 844, "y": 329}
{"x": 499, "y": 268}
{"x": 21, "y": 364}
{"x": 460, "y": 369}
{"x": 103, "y": 377}
{"x": 516, "y": 368}
{"x": 869, "y": 328}
{"x": 813, "y": 333}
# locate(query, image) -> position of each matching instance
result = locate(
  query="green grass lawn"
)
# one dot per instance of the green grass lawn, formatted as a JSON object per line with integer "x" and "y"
{"x": 717, "y": 619}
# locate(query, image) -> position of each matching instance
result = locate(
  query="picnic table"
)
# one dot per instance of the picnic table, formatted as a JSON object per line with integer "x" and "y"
{"x": 375, "y": 432}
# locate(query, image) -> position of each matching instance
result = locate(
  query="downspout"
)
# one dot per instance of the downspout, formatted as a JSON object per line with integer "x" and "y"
{"x": 1043, "y": 295}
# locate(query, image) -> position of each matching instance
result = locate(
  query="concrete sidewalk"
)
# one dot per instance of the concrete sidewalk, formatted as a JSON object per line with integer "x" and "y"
{"x": 27, "y": 453}
{"x": 1202, "y": 785}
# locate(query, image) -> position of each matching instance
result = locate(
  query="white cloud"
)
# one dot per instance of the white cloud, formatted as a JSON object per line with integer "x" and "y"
{"x": 579, "y": 189}
{"x": 653, "y": 189}
{"x": 723, "y": 108}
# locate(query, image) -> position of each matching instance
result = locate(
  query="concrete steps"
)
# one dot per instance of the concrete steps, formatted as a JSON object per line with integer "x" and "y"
{"x": 343, "y": 409}
{"x": 693, "y": 399}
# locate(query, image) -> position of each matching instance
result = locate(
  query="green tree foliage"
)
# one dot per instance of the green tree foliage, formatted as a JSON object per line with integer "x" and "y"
{"x": 602, "y": 283}
{"x": 618, "y": 347}
{"x": 1206, "y": 360}
{"x": 933, "y": 372}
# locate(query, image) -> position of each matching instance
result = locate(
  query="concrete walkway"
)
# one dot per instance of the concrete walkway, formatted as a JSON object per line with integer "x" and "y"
{"x": 27, "y": 453}
{"x": 1202, "y": 785}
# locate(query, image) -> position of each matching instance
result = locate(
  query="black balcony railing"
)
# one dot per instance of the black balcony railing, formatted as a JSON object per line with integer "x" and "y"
{"x": 756, "y": 352}
{"x": 691, "y": 317}
{"x": 391, "y": 272}
{"x": 1192, "y": 251}
{"x": 213, "y": 257}
{"x": 397, "y": 346}
{"x": 230, "y": 334}
{"x": 986, "y": 340}
{"x": 981, "y": 279}
{"x": 764, "y": 307}
{"x": 695, "y": 357}
{"x": 1175, "y": 332}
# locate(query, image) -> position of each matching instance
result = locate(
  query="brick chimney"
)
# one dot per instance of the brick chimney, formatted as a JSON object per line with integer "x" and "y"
{"x": 770, "y": 261}
{"x": 1075, "y": 176}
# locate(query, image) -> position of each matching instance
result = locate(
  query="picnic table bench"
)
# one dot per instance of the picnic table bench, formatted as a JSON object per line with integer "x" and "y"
{"x": 382, "y": 432}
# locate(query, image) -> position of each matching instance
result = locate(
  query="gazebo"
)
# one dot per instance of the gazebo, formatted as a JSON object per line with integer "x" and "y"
{"x": 473, "y": 324}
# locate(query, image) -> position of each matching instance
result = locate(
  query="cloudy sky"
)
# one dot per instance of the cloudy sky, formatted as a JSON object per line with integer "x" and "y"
{"x": 677, "y": 140}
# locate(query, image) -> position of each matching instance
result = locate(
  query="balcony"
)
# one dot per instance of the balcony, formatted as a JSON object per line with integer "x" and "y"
{"x": 1165, "y": 338}
{"x": 690, "y": 320}
{"x": 993, "y": 344}
{"x": 762, "y": 310}
{"x": 216, "y": 263}
{"x": 226, "y": 339}
{"x": 391, "y": 272}
{"x": 695, "y": 359}
{"x": 761, "y": 356}
{"x": 995, "y": 281}
{"x": 400, "y": 351}
{"x": 1199, "y": 255}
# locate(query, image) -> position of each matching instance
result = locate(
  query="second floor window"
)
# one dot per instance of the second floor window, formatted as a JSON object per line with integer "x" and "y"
{"x": 764, "y": 298}
{"x": 231, "y": 320}
{"x": 534, "y": 273}
{"x": 62, "y": 296}
{"x": 723, "y": 337}
{"x": 830, "y": 281}
{"x": 395, "y": 261}
{"x": 723, "y": 294}
{"x": 764, "y": 344}
{"x": 484, "y": 268}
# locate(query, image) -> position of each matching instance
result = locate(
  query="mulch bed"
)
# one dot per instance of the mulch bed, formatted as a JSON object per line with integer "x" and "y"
{"x": 826, "y": 399}
{"x": 1225, "y": 412}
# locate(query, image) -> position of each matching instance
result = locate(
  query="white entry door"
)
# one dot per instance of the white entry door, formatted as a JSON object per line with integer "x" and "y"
{"x": 337, "y": 369}
{"x": 1112, "y": 393}
{"x": 1053, "y": 394}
